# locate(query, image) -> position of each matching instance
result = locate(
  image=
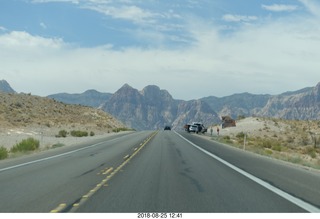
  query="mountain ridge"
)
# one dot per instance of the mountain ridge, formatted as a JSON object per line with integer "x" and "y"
{"x": 153, "y": 107}
{"x": 90, "y": 97}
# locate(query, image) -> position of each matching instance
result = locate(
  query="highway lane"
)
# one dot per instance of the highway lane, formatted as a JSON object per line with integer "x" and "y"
{"x": 41, "y": 182}
{"x": 171, "y": 175}
{"x": 167, "y": 173}
{"x": 301, "y": 182}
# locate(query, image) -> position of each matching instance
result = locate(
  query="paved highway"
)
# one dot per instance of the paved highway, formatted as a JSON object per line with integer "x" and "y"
{"x": 161, "y": 171}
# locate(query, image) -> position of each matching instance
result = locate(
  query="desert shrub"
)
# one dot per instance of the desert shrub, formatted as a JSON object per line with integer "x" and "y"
{"x": 120, "y": 129}
{"x": 295, "y": 159}
{"x": 241, "y": 117}
{"x": 3, "y": 153}
{"x": 290, "y": 139}
{"x": 268, "y": 152}
{"x": 240, "y": 135}
{"x": 29, "y": 144}
{"x": 62, "y": 133}
{"x": 266, "y": 143}
{"x": 305, "y": 139}
{"x": 311, "y": 151}
{"x": 276, "y": 147}
{"x": 92, "y": 133}
{"x": 227, "y": 137}
{"x": 79, "y": 133}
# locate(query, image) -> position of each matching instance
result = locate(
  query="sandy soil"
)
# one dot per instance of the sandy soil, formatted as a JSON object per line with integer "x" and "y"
{"x": 251, "y": 126}
{"x": 294, "y": 138}
{"x": 47, "y": 137}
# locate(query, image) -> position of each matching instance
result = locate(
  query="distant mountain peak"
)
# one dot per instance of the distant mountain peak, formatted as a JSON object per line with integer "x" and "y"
{"x": 91, "y": 91}
{"x": 5, "y": 87}
{"x": 126, "y": 86}
{"x": 152, "y": 87}
{"x": 154, "y": 92}
{"x": 317, "y": 89}
{"x": 153, "y": 107}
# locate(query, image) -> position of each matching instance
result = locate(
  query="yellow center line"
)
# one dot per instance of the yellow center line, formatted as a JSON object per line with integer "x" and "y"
{"x": 103, "y": 183}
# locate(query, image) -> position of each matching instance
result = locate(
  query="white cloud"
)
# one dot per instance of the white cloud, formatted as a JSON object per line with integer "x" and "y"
{"x": 279, "y": 7}
{"x": 267, "y": 57}
{"x": 24, "y": 40}
{"x": 48, "y": 1}
{"x": 3, "y": 28}
{"x": 238, "y": 18}
{"x": 123, "y": 11}
{"x": 312, "y": 6}
{"x": 43, "y": 25}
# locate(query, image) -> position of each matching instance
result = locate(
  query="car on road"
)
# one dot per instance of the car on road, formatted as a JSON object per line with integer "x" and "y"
{"x": 193, "y": 128}
{"x": 200, "y": 126}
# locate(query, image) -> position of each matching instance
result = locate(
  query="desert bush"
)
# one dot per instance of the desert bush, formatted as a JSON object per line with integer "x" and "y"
{"x": 241, "y": 117}
{"x": 304, "y": 139}
{"x": 3, "y": 153}
{"x": 270, "y": 144}
{"x": 311, "y": 151}
{"x": 62, "y": 133}
{"x": 29, "y": 144}
{"x": 276, "y": 147}
{"x": 79, "y": 133}
{"x": 240, "y": 135}
{"x": 266, "y": 143}
{"x": 227, "y": 139}
{"x": 268, "y": 152}
{"x": 290, "y": 139}
{"x": 120, "y": 129}
{"x": 92, "y": 133}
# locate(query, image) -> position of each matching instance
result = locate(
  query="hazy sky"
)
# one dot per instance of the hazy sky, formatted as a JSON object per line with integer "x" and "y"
{"x": 191, "y": 48}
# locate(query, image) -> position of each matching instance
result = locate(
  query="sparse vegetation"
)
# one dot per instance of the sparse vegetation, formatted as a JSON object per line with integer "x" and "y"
{"x": 62, "y": 134}
{"x": 121, "y": 129}
{"x": 78, "y": 133}
{"x": 241, "y": 117}
{"x": 29, "y": 144}
{"x": 290, "y": 140}
{"x": 25, "y": 110}
{"x": 311, "y": 151}
{"x": 3, "y": 153}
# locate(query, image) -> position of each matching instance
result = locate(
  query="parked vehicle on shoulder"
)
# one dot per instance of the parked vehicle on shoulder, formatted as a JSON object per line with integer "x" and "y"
{"x": 200, "y": 126}
{"x": 193, "y": 128}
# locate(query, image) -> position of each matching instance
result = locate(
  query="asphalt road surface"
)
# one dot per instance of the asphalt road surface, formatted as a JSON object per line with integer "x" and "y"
{"x": 162, "y": 171}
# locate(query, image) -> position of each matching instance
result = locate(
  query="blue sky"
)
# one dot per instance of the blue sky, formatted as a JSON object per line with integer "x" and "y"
{"x": 191, "y": 48}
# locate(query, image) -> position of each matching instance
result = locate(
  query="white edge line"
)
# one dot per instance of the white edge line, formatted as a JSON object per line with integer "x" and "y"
{"x": 49, "y": 158}
{"x": 302, "y": 204}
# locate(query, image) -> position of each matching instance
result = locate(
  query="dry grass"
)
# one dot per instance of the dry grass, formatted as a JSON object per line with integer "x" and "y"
{"x": 24, "y": 115}
{"x": 21, "y": 110}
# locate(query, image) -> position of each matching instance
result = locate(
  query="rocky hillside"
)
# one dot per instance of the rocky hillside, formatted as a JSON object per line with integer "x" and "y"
{"x": 153, "y": 108}
{"x": 25, "y": 110}
{"x": 303, "y": 104}
{"x": 299, "y": 105}
{"x": 245, "y": 104}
